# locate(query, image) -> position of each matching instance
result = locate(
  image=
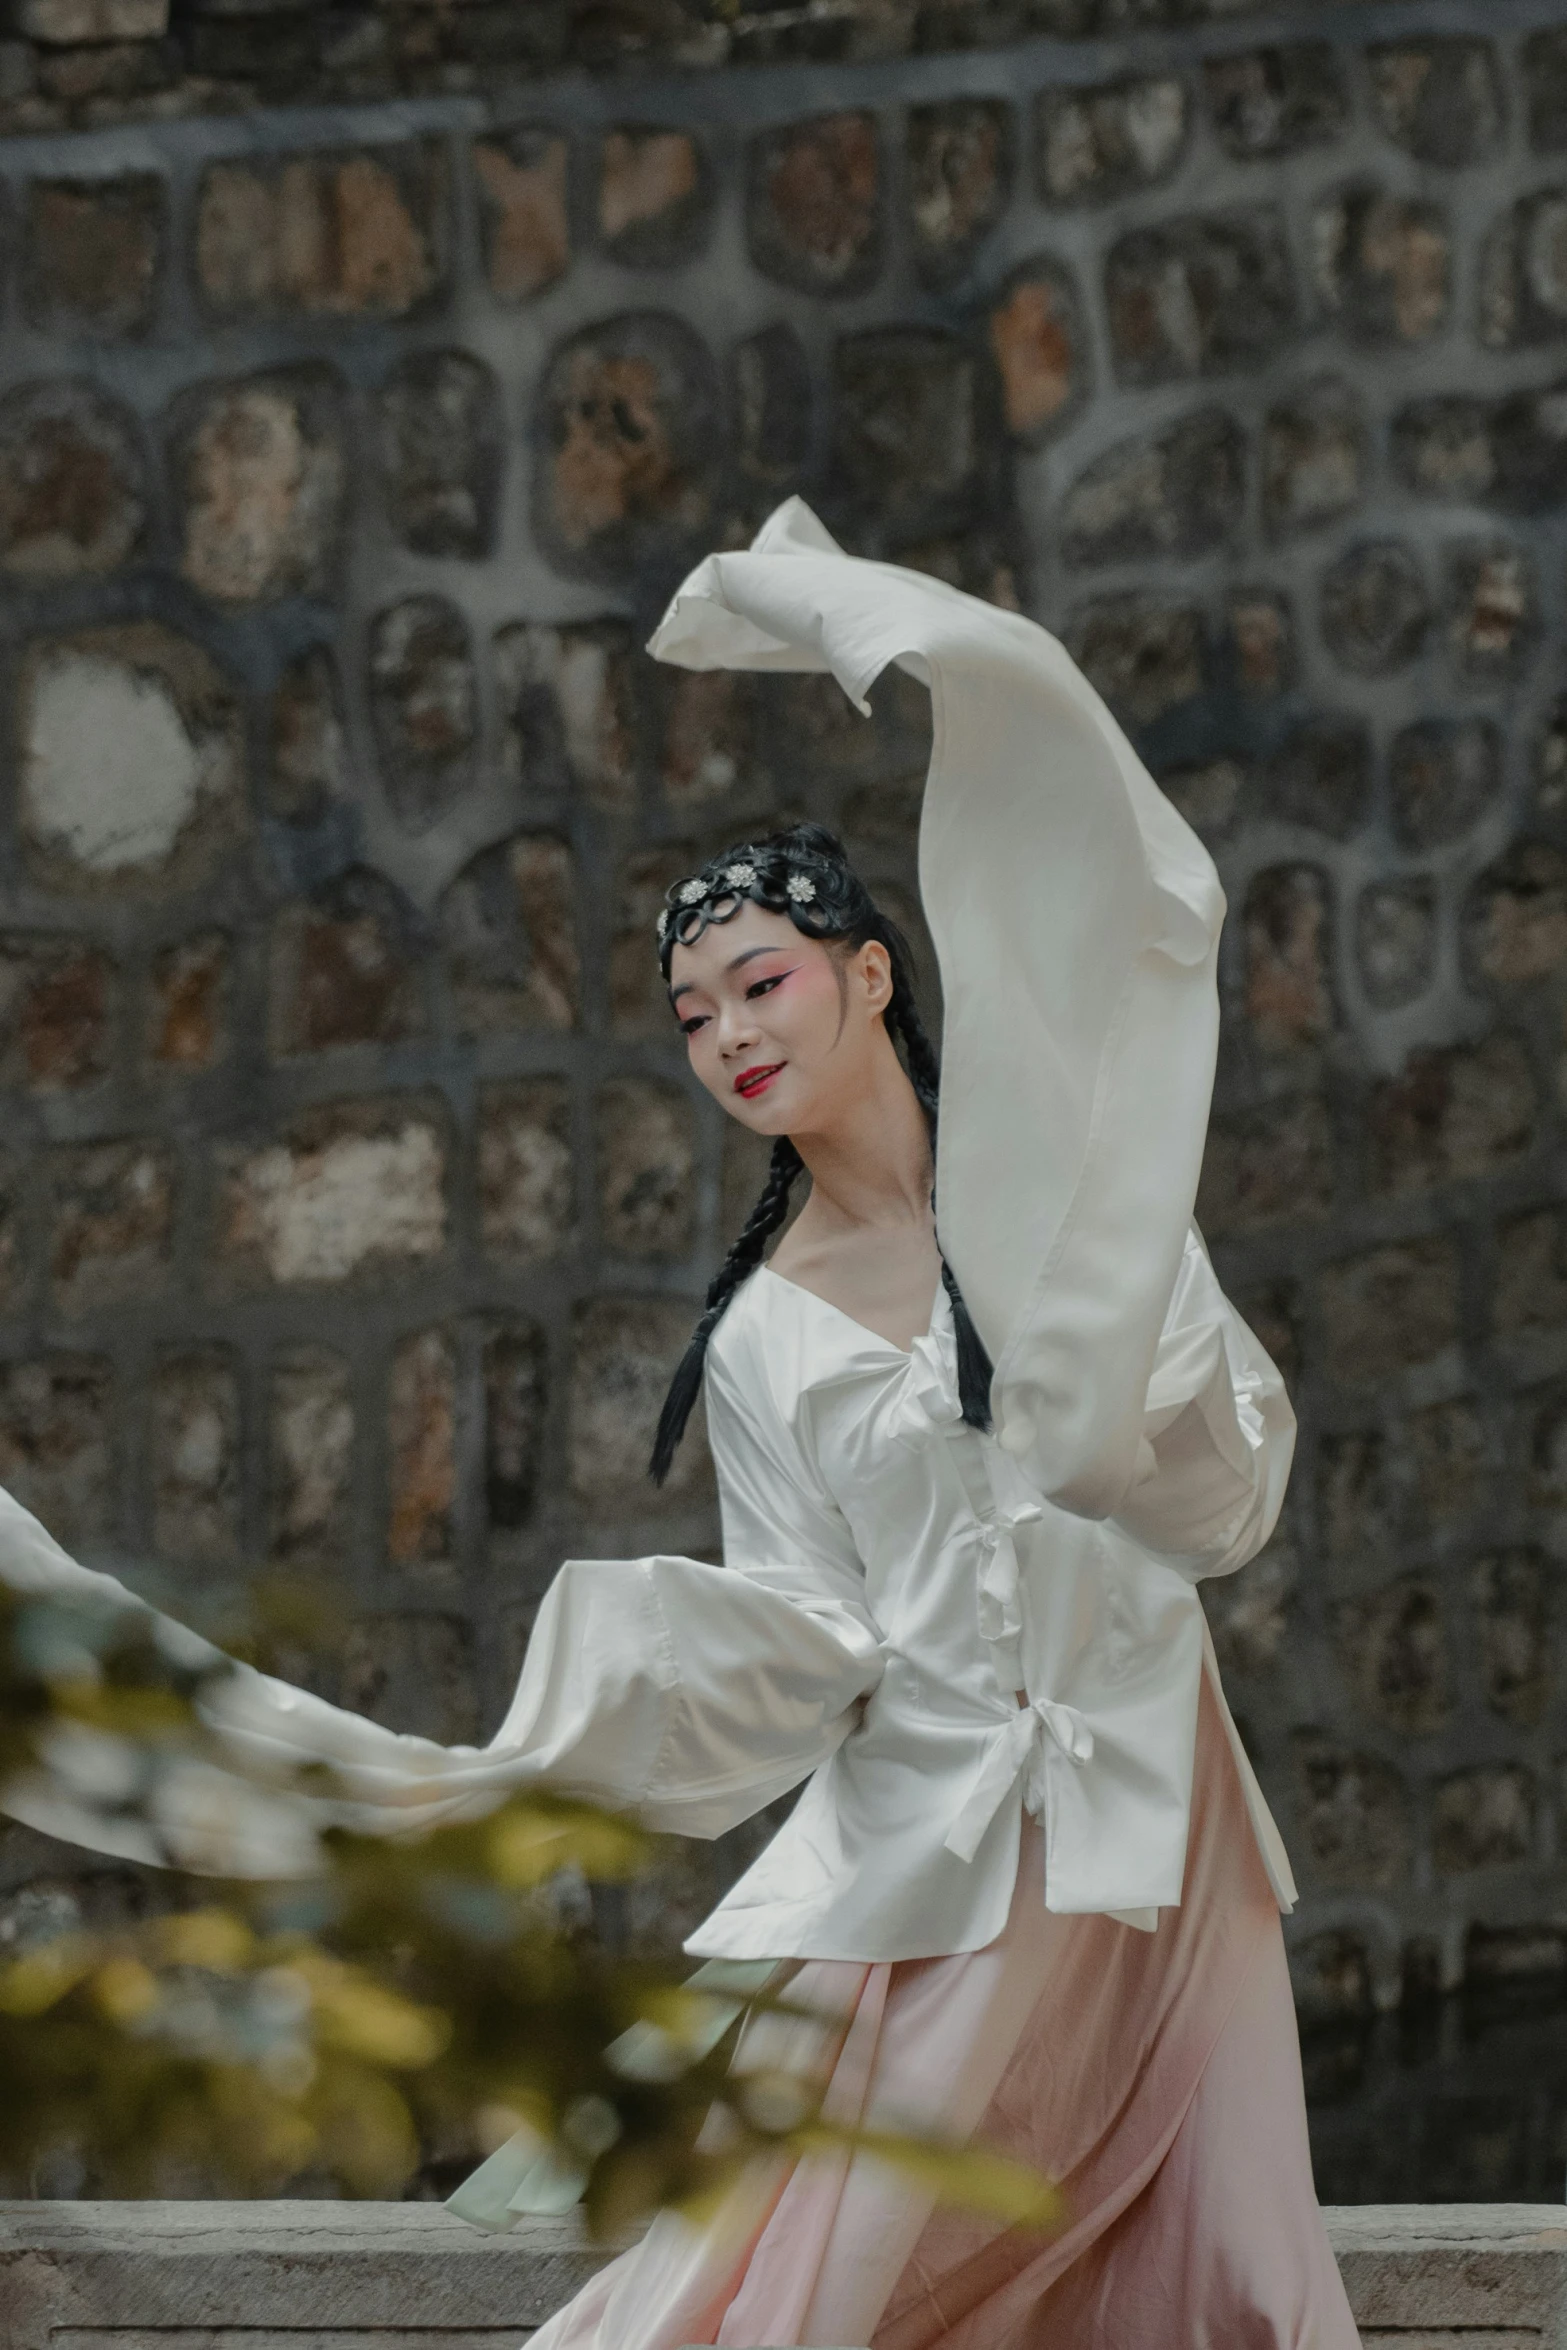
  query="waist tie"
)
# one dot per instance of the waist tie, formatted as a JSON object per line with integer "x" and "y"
{"x": 1013, "y": 1748}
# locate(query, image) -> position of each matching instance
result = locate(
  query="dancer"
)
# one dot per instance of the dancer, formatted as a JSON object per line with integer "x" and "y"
{"x": 973, "y": 1458}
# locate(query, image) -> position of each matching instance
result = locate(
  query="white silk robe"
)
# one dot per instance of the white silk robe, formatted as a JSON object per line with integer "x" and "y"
{"x": 893, "y": 1583}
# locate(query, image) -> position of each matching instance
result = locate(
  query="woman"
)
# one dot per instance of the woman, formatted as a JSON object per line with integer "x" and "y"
{"x": 969, "y": 1480}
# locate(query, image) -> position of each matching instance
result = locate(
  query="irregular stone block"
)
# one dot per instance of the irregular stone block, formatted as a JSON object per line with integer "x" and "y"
{"x": 132, "y": 765}
{"x": 75, "y": 23}
{"x": 414, "y": 1673}
{"x": 647, "y": 1143}
{"x": 1145, "y": 654}
{"x": 1374, "y": 609}
{"x": 1483, "y": 1818}
{"x": 709, "y": 738}
{"x": 261, "y": 471}
{"x": 813, "y": 204}
{"x": 111, "y": 1223}
{"x": 1249, "y": 1614}
{"x": 1353, "y": 1813}
{"x": 905, "y": 440}
{"x": 1197, "y": 296}
{"x": 1313, "y": 456}
{"x": 1453, "y": 1117}
{"x": 630, "y": 438}
{"x": 1330, "y": 1975}
{"x": 1508, "y": 1595}
{"x": 57, "y": 999}
{"x": 624, "y": 1351}
{"x": 774, "y": 406}
{"x": 1393, "y": 1652}
{"x": 353, "y": 1188}
{"x": 655, "y": 201}
{"x": 1038, "y": 343}
{"x": 310, "y": 1456}
{"x": 526, "y": 1184}
{"x": 1382, "y": 264}
{"x": 1207, "y": 792}
{"x": 1276, "y": 101}
{"x": 1289, "y": 990}
{"x": 1180, "y": 492}
{"x": 442, "y": 455}
{"x": 1439, "y": 99}
{"x": 1493, "y": 620}
{"x": 568, "y": 700}
{"x": 1443, "y": 774}
{"x": 1260, "y": 642}
{"x": 509, "y": 926}
{"x": 343, "y": 969}
{"x": 1443, "y": 448}
{"x": 1516, "y": 919}
{"x": 196, "y": 1459}
{"x": 424, "y": 707}
{"x": 1531, "y": 1301}
{"x": 1093, "y": 146}
{"x": 357, "y": 235}
{"x": 1523, "y": 273}
{"x": 960, "y": 165}
{"x": 1363, "y": 1507}
{"x": 422, "y": 1449}
{"x": 308, "y": 764}
{"x": 523, "y": 210}
{"x": 94, "y": 256}
{"x": 73, "y": 499}
{"x": 1268, "y": 1167}
{"x": 55, "y": 1443}
{"x": 1321, "y": 775}
{"x": 1395, "y": 941}
{"x": 516, "y": 1396}
{"x": 1543, "y": 79}
{"x": 1389, "y": 1309}
{"x": 1451, "y": 1464}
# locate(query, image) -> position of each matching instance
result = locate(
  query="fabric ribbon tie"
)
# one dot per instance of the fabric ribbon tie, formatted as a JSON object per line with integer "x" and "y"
{"x": 1023, "y": 1745}
{"x": 930, "y": 1402}
{"x": 1000, "y": 1601}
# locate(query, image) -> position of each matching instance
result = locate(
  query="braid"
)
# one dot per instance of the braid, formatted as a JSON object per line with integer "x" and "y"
{"x": 804, "y": 874}
{"x": 743, "y": 1259}
{"x": 975, "y": 1369}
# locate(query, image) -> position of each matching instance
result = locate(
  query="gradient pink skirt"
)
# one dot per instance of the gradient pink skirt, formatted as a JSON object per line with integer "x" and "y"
{"x": 1155, "y": 2076}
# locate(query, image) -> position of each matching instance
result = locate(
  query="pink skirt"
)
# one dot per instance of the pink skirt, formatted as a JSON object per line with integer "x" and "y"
{"x": 1155, "y": 2076}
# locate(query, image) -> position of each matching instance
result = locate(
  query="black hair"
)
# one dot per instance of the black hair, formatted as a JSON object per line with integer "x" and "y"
{"x": 803, "y": 872}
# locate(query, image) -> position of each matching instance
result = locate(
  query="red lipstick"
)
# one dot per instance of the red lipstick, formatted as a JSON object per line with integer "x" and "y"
{"x": 751, "y": 1082}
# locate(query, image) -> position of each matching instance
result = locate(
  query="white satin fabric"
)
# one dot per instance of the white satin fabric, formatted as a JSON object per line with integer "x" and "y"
{"x": 894, "y": 1584}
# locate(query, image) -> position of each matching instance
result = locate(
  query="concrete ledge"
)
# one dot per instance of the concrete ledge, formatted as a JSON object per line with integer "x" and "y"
{"x": 407, "y": 2276}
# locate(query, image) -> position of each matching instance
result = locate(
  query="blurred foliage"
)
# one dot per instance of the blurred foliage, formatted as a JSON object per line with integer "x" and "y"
{"x": 322, "y": 2031}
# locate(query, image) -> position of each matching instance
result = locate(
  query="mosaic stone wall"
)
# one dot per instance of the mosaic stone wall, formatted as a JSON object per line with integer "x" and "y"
{"x": 353, "y": 1198}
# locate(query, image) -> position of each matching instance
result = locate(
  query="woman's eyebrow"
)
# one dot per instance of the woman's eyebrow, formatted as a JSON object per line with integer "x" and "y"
{"x": 749, "y": 955}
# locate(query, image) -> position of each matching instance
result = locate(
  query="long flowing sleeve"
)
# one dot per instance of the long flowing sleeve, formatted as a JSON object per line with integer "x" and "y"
{"x": 1218, "y": 1433}
{"x": 685, "y": 1693}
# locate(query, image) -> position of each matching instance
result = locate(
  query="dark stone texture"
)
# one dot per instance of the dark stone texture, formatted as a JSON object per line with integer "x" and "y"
{"x": 1180, "y": 493}
{"x": 1441, "y": 100}
{"x": 1093, "y": 146}
{"x": 961, "y": 161}
{"x": 1313, "y": 456}
{"x": 1395, "y": 941}
{"x": 1443, "y": 774}
{"x": 629, "y": 443}
{"x": 1268, "y": 102}
{"x": 94, "y": 259}
{"x": 814, "y": 204}
{"x": 1321, "y": 776}
{"x": 442, "y": 453}
{"x": 1374, "y": 610}
{"x": 1199, "y": 296}
{"x": 1382, "y": 264}
{"x": 422, "y": 705}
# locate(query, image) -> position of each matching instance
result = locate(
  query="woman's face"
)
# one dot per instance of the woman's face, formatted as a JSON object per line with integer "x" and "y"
{"x": 779, "y": 1027}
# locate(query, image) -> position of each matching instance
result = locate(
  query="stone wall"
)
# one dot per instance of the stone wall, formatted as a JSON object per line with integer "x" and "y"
{"x": 354, "y": 1196}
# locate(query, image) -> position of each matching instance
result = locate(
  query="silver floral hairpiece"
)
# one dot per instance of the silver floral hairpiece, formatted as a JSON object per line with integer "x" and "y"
{"x": 801, "y": 888}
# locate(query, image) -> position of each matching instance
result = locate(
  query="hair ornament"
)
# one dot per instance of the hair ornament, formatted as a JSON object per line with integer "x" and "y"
{"x": 693, "y": 892}
{"x": 740, "y": 876}
{"x": 801, "y": 888}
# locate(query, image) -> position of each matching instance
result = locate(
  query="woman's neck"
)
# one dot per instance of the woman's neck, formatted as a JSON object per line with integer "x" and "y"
{"x": 870, "y": 1168}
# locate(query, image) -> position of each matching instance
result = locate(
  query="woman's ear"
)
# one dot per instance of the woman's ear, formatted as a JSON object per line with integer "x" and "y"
{"x": 876, "y": 972}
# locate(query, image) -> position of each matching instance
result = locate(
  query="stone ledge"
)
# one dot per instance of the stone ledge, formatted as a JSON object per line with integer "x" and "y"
{"x": 407, "y": 2276}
